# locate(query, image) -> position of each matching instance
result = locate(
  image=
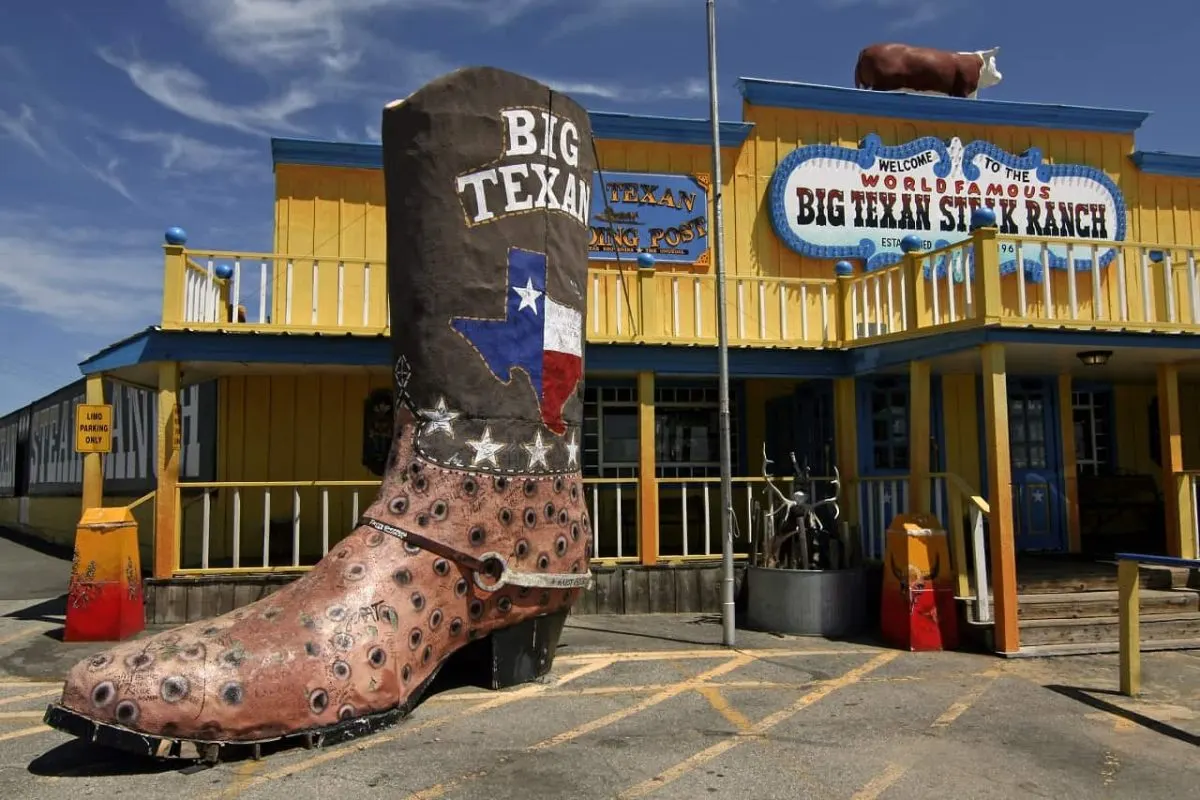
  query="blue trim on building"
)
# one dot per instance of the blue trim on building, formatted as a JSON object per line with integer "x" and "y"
{"x": 1177, "y": 165}
{"x": 605, "y": 125}
{"x": 933, "y": 108}
{"x": 155, "y": 344}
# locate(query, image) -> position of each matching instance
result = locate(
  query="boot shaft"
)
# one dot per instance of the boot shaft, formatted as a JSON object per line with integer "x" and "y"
{"x": 488, "y": 180}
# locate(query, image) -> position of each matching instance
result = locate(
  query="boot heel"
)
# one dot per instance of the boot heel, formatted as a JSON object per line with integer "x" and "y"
{"x": 509, "y": 657}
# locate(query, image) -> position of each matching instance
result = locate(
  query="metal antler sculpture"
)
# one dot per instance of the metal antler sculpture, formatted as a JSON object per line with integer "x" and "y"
{"x": 799, "y": 540}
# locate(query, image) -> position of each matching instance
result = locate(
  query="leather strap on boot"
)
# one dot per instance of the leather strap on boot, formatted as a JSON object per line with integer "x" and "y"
{"x": 488, "y": 567}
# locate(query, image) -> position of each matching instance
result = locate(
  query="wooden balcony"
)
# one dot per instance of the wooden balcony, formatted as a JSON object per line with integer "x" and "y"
{"x": 987, "y": 279}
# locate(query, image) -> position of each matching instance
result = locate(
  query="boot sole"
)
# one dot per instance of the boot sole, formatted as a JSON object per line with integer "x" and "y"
{"x": 507, "y": 657}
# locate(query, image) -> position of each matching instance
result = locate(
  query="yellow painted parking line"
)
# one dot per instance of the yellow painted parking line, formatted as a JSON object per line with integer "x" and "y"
{"x": 881, "y": 782}
{"x": 714, "y": 653}
{"x": 324, "y": 757}
{"x": 717, "y": 700}
{"x": 4, "y": 737}
{"x": 29, "y": 696}
{"x": 23, "y": 634}
{"x": 673, "y": 690}
{"x": 762, "y": 726}
{"x": 7, "y": 715}
{"x": 895, "y": 771}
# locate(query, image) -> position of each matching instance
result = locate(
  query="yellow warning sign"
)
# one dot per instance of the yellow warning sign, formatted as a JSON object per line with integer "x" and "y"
{"x": 93, "y": 429}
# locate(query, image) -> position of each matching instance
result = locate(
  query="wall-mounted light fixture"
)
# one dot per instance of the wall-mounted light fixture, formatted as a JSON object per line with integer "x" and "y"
{"x": 1094, "y": 358}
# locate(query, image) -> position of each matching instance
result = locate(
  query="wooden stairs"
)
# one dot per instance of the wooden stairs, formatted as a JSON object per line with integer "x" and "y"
{"x": 1069, "y": 607}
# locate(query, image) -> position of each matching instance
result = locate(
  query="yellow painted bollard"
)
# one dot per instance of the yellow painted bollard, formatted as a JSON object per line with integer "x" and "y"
{"x": 1130, "y": 636}
{"x": 918, "y": 610}
{"x": 104, "y": 601}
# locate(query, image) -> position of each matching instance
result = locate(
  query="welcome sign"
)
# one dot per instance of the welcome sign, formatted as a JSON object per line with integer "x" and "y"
{"x": 829, "y": 201}
{"x": 665, "y": 215}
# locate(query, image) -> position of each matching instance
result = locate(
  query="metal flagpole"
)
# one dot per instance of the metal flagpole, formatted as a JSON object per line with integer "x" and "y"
{"x": 718, "y": 229}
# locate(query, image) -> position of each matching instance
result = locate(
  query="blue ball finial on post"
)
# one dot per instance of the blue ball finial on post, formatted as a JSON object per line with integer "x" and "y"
{"x": 1156, "y": 256}
{"x": 983, "y": 217}
{"x": 175, "y": 235}
{"x": 843, "y": 269}
{"x": 223, "y": 271}
{"x": 645, "y": 260}
{"x": 911, "y": 243}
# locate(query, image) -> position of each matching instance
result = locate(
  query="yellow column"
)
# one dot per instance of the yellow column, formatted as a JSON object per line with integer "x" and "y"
{"x": 999, "y": 480}
{"x": 845, "y": 430}
{"x": 915, "y": 288}
{"x": 647, "y": 480}
{"x": 1066, "y": 415}
{"x": 845, "y": 305}
{"x": 919, "y": 437}
{"x": 93, "y": 463}
{"x": 1176, "y": 489}
{"x": 166, "y": 517}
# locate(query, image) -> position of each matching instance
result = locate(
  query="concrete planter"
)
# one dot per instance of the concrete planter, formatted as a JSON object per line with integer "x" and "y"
{"x": 807, "y": 602}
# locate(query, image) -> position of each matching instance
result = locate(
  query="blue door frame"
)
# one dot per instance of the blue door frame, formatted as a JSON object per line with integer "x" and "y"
{"x": 1035, "y": 449}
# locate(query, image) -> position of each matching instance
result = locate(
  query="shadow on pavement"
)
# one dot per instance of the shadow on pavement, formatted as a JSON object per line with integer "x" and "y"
{"x": 78, "y": 759}
{"x": 1088, "y": 698}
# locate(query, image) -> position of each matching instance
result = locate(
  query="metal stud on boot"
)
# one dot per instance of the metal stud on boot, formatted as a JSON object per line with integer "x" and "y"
{"x": 480, "y": 533}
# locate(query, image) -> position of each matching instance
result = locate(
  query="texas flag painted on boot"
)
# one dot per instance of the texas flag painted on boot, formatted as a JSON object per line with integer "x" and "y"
{"x": 537, "y": 335}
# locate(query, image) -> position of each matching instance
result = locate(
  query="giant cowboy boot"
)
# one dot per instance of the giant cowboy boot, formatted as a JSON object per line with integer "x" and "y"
{"x": 480, "y": 530}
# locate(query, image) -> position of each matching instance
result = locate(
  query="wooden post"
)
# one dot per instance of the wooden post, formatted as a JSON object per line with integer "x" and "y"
{"x": 647, "y": 479}
{"x": 917, "y": 309}
{"x": 166, "y": 512}
{"x": 919, "y": 438}
{"x": 1066, "y": 416}
{"x": 649, "y": 322}
{"x": 989, "y": 299}
{"x": 174, "y": 270}
{"x": 1175, "y": 486}
{"x": 93, "y": 463}
{"x": 999, "y": 481}
{"x": 845, "y": 431}
{"x": 845, "y": 304}
{"x": 1131, "y": 645}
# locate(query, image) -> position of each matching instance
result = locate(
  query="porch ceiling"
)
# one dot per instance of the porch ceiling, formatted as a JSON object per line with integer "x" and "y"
{"x": 1125, "y": 364}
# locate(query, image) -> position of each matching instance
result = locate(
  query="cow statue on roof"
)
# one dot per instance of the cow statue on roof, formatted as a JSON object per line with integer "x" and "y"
{"x": 925, "y": 70}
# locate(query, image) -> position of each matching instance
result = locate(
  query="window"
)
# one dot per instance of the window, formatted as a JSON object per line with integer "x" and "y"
{"x": 1093, "y": 418}
{"x": 686, "y": 431}
{"x": 888, "y": 405}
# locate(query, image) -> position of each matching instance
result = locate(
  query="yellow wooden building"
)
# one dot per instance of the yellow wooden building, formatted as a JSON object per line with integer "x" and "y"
{"x": 1047, "y": 360}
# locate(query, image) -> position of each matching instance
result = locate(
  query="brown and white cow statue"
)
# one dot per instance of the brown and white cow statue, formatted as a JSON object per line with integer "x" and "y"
{"x": 925, "y": 70}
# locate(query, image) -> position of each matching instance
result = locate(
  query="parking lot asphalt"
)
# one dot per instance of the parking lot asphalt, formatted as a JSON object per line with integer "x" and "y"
{"x": 654, "y": 706}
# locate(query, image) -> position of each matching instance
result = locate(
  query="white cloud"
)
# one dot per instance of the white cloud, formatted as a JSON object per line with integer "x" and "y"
{"x": 115, "y": 288}
{"x": 186, "y": 93}
{"x": 687, "y": 90}
{"x": 20, "y": 126}
{"x": 906, "y": 13}
{"x": 182, "y": 154}
{"x": 109, "y": 177}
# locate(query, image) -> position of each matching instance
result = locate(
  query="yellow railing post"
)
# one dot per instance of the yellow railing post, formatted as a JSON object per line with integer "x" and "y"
{"x": 174, "y": 270}
{"x": 845, "y": 303}
{"x": 914, "y": 290}
{"x": 647, "y": 472}
{"x": 166, "y": 503}
{"x": 649, "y": 322}
{"x": 1131, "y": 646}
{"x": 93, "y": 463}
{"x": 986, "y": 257}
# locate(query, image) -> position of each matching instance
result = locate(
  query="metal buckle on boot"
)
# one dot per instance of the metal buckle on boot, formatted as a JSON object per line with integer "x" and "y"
{"x": 495, "y": 566}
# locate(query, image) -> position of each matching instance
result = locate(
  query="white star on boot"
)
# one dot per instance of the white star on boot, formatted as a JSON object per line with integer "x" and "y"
{"x": 537, "y": 451}
{"x": 439, "y": 418}
{"x": 485, "y": 449}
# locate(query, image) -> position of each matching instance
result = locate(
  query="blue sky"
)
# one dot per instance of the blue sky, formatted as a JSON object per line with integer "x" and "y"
{"x": 120, "y": 119}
